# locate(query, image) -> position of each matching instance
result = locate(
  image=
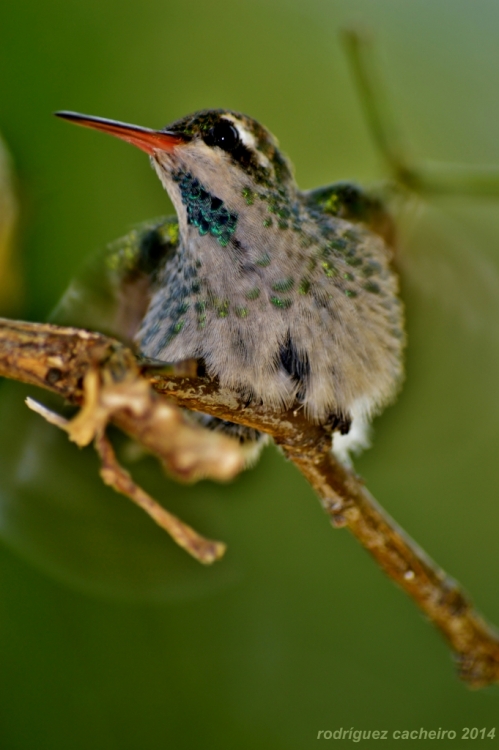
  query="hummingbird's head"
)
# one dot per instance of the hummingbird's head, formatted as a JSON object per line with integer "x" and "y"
{"x": 219, "y": 146}
{"x": 225, "y": 154}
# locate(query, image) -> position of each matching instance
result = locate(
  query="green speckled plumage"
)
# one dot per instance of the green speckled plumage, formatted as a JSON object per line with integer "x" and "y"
{"x": 289, "y": 297}
{"x": 301, "y": 300}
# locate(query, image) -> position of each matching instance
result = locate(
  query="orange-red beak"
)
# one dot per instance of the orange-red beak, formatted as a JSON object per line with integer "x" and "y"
{"x": 148, "y": 140}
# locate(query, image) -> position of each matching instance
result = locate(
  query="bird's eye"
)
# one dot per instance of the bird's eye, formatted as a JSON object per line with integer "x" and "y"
{"x": 224, "y": 135}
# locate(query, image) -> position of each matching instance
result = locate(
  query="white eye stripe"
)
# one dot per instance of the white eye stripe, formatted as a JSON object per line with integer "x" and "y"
{"x": 248, "y": 139}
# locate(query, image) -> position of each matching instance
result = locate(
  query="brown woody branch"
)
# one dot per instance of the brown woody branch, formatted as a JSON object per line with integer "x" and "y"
{"x": 103, "y": 376}
{"x": 59, "y": 359}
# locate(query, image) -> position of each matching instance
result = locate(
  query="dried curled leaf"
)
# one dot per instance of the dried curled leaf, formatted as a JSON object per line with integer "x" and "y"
{"x": 187, "y": 451}
{"x": 113, "y": 390}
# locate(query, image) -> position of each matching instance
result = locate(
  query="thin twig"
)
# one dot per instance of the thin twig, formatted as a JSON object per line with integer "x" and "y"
{"x": 421, "y": 176}
{"x": 204, "y": 550}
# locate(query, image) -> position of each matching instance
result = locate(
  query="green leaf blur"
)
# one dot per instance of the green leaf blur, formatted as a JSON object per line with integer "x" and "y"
{"x": 110, "y": 637}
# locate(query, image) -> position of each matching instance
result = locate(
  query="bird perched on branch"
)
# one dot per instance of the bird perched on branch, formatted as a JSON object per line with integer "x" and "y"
{"x": 287, "y": 297}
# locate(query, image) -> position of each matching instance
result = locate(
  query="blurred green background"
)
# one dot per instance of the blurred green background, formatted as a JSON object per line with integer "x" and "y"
{"x": 109, "y": 636}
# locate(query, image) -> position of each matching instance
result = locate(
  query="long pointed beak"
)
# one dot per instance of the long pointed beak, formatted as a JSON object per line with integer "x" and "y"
{"x": 146, "y": 139}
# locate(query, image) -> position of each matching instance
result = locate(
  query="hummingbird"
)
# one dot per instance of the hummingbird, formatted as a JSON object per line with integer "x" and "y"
{"x": 288, "y": 297}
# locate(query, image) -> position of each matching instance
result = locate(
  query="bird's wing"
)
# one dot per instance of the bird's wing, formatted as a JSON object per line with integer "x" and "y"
{"x": 348, "y": 201}
{"x": 113, "y": 288}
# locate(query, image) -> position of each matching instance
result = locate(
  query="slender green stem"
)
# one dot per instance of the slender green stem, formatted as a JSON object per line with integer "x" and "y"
{"x": 423, "y": 177}
{"x": 375, "y": 102}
